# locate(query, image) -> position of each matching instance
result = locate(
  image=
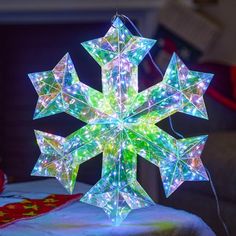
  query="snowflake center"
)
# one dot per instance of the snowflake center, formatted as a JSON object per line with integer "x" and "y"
{"x": 121, "y": 124}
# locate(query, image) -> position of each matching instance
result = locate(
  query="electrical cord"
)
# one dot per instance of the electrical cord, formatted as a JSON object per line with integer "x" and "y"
{"x": 172, "y": 127}
{"x": 212, "y": 187}
{"x": 139, "y": 33}
{"x": 217, "y": 203}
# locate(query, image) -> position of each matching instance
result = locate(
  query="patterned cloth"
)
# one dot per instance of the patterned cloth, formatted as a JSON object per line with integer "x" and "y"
{"x": 31, "y": 208}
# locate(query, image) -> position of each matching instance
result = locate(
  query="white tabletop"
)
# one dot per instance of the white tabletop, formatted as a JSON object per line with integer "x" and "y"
{"x": 81, "y": 219}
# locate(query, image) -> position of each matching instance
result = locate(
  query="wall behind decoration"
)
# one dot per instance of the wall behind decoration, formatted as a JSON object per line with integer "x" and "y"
{"x": 33, "y": 48}
{"x": 224, "y": 13}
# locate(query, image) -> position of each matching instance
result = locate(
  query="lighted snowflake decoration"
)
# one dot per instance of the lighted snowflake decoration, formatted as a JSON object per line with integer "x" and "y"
{"x": 120, "y": 122}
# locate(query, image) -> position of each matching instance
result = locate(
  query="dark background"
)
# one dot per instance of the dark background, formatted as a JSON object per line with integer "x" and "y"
{"x": 32, "y": 48}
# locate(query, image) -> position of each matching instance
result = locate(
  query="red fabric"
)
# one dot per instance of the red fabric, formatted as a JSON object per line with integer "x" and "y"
{"x": 223, "y": 85}
{"x": 31, "y": 208}
{"x": 233, "y": 80}
{"x": 226, "y": 94}
{"x": 3, "y": 181}
{"x": 221, "y": 98}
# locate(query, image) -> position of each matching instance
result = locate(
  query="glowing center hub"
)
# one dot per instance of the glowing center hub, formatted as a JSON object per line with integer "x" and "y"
{"x": 121, "y": 124}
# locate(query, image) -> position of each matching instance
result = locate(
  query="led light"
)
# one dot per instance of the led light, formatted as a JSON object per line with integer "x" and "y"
{"x": 120, "y": 122}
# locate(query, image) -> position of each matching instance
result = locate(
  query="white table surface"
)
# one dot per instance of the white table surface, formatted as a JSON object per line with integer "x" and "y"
{"x": 82, "y": 219}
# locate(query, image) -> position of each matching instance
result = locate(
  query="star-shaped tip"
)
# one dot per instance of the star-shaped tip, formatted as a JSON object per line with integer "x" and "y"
{"x": 191, "y": 84}
{"x": 54, "y": 161}
{"x": 51, "y": 84}
{"x": 118, "y": 44}
{"x": 116, "y": 197}
{"x": 186, "y": 166}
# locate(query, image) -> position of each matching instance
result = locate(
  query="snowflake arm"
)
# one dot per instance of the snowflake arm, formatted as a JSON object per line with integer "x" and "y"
{"x": 60, "y": 157}
{"x": 178, "y": 160}
{"x": 119, "y": 53}
{"x": 154, "y": 104}
{"x": 180, "y": 91}
{"x": 118, "y": 191}
{"x": 152, "y": 143}
{"x": 60, "y": 90}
